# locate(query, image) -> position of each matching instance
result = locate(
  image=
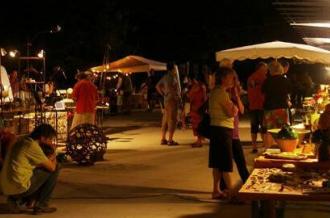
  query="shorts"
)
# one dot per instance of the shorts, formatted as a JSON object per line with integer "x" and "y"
{"x": 170, "y": 115}
{"x": 256, "y": 121}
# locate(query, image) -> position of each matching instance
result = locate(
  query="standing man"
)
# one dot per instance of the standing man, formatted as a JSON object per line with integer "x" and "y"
{"x": 256, "y": 102}
{"x": 168, "y": 87}
{"x": 28, "y": 176}
{"x": 85, "y": 95}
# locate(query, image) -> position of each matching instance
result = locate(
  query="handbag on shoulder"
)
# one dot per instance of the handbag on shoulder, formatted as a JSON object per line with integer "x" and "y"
{"x": 204, "y": 127}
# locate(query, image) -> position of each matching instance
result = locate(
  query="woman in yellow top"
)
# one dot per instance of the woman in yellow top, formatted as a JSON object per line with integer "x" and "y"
{"x": 222, "y": 111}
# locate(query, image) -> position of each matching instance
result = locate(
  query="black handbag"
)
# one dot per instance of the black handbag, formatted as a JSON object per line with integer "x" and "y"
{"x": 204, "y": 127}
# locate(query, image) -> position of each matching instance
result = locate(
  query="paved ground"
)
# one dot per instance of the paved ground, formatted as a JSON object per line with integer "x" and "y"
{"x": 141, "y": 179}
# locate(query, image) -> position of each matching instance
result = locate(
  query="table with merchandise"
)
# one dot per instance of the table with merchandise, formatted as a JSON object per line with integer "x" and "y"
{"x": 280, "y": 176}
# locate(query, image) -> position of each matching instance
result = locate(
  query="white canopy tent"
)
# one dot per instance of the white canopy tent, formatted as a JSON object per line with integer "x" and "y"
{"x": 276, "y": 49}
{"x": 131, "y": 64}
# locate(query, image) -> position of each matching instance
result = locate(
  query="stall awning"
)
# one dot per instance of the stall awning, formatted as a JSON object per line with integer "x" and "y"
{"x": 131, "y": 64}
{"x": 277, "y": 49}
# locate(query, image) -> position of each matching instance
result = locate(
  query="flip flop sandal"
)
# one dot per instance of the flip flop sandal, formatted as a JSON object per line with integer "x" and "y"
{"x": 163, "y": 142}
{"x": 171, "y": 143}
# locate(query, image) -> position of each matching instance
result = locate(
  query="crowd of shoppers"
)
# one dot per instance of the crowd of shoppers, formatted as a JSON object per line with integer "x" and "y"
{"x": 29, "y": 174}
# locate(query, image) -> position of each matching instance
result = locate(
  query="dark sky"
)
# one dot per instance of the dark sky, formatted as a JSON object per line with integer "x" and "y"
{"x": 164, "y": 30}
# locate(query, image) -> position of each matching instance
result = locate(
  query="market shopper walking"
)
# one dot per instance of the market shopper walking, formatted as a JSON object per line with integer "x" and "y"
{"x": 222, "y": 112}
{"x": 85, "y": 95}
{"x": 168, "y": 87}
{"x": 28, "y": 176}
{"x": 256, "y": 103}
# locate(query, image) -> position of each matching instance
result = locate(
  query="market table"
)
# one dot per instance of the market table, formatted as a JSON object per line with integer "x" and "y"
{"x": 13, "y": 119}
{"x": 265, "y": 193}
{"x": 263, "y": 202}
{"x": 61, "y": 123}
{"x": 99, "y": 113}
{"x": 264, "y": 162}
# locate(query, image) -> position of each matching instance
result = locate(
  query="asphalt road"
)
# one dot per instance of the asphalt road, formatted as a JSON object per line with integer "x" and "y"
{"x": 140, "y": 178}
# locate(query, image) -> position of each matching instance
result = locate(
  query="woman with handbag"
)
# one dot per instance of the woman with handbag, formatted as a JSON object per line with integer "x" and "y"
{"x": 222, "y": 112}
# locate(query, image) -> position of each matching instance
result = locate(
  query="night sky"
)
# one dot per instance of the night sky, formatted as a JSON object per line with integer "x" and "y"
{"x": 177, "y": 31}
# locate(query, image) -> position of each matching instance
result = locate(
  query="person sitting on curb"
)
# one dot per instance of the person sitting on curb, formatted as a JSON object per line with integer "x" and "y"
{"x": 28, "y": 176}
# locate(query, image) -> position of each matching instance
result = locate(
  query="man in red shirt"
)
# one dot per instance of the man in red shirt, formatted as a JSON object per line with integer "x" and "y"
{"x": 256, "y": 102}
{"x": 85, "y": 96}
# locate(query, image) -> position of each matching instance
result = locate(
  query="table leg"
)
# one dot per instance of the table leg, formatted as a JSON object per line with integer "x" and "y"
{"x": 267, "y": 209}
{"x": 280, "y": 209}
{"x": 56, "y": 126}
{"x": 97, "y": 117}
{"x": 255, "y": 209}
{"x": 102, "y": 118}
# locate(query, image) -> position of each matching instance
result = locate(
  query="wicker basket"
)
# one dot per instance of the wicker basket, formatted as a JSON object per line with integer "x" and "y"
{"x": 287, "y": 145}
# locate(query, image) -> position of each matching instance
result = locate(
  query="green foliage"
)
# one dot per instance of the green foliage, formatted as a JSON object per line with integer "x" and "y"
{"x": 287, "y": 132}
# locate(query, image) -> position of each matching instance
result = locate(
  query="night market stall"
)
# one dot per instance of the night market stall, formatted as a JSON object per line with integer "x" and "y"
{"x": 277, "y": 50}
{"x": 292, "y": 170}
{"x": 131, "y": 64}
{"x": 23, "y": 105}
{"x": 20, "y": 93}
{"x": 124, "y": 68}
{"x": 295, "y": 51}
